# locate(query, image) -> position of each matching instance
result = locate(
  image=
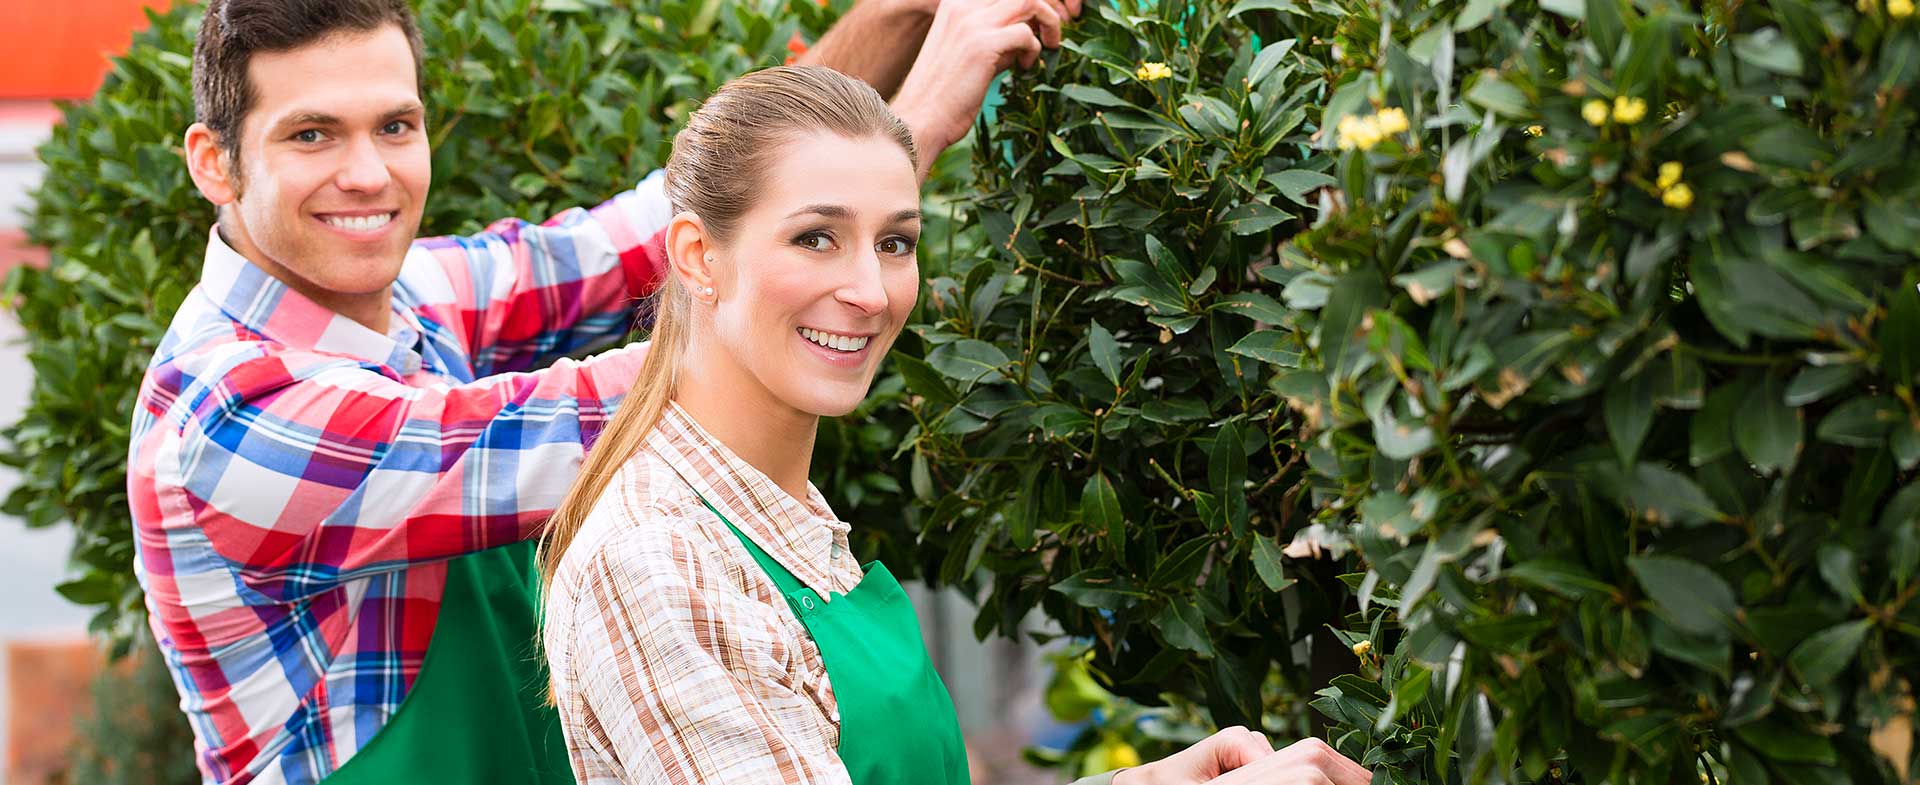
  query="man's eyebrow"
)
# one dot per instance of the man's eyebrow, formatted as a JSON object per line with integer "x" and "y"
{"x": 411, "y": 107}
{"x": 324, "y": 119}
{"x": 307, "y": 118}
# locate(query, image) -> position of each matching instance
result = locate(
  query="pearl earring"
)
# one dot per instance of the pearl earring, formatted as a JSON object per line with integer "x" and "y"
{"x": 706, "y": 291}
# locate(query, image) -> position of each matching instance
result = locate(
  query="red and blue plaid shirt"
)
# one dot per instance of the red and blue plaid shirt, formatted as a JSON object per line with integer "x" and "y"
{"x": 298, "y": 481}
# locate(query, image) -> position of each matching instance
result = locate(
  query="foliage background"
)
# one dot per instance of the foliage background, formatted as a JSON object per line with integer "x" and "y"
{"x": 1608, "y": 485}
{"x": 1611, "y": 406}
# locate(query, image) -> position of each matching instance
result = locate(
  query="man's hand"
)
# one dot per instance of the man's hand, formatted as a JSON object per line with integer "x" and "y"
{"x": 971, "y": 42}
{"x": 1237, "y": 756}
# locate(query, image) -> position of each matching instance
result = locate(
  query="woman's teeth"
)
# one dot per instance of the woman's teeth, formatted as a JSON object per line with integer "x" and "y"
{"x": 360, "y": 223}
{"x": 841, "y": 343}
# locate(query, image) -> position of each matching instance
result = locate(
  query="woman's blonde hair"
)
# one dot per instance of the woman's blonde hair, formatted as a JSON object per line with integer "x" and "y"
{"x": 715, "y": 172}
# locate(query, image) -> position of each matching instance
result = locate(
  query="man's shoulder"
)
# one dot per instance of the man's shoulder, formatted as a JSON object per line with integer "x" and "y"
{"x": 206, "y": 350}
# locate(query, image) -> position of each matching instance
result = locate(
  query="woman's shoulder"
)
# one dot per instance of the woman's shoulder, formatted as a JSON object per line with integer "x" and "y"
{"x": 647, "y": 526}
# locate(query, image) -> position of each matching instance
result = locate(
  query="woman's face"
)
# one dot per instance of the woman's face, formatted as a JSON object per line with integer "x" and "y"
{"x": 821, "y": 275}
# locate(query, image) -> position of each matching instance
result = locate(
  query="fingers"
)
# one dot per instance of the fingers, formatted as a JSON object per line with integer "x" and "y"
{"x": 1073, "y": 7}
{"x": 1239, "y": 747}
{"x": 1016, "y": 44}
{"x": 1338, "y": 768}
{"x": 1044, "y": 16}
{"x": 1060, "y": 9}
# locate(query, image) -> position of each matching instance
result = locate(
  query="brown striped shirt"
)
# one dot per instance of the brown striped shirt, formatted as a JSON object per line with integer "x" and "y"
{"x": 675, "y": 659}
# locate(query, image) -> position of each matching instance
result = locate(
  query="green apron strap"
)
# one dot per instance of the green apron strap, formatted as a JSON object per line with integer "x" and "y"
{"x": 897, "y": 725}
{"x": 477, "y": 712}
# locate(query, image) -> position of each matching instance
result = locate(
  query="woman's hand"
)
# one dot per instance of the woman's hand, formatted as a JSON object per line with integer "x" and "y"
{"x": 1237, "y": 756}
{"x": 971, "y": 42}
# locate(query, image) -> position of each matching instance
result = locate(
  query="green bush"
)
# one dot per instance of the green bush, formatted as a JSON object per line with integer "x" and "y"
{"x": 536, "y": 107}
{"x": 1625, "y": 408}
{"x": 136, "y": 734}
{"x": 1095, "y": 427}
{"x": 1613, "y": 405}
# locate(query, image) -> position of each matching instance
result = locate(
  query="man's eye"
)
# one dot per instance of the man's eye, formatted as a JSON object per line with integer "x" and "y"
{"x": 308, "y": 136}
{"x": 396, "y": 128}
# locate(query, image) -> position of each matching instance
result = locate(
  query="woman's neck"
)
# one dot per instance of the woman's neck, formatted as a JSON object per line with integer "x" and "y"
{"x": 733, "y": 406}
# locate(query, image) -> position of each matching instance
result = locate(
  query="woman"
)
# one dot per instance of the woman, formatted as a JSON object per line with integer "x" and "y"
{"x": 705, "y": 620}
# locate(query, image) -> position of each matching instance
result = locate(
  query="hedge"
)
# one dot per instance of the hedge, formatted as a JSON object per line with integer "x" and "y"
{"x": 1586, "y": 332}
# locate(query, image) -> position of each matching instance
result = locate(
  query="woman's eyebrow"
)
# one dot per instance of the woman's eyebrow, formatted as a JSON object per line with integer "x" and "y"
{"x": 827, "y": 210}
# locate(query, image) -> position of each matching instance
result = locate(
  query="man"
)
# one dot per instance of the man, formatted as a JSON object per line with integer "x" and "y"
{"x": 348, "y": 436}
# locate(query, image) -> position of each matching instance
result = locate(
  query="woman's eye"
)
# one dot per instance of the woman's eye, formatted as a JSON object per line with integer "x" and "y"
{"x": 816, "y": 241}
{"x": 896, "y": 246}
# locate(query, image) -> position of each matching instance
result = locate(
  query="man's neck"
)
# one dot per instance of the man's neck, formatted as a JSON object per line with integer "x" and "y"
{"x": 745, "y": 416}
{"x": 373, "y": 310}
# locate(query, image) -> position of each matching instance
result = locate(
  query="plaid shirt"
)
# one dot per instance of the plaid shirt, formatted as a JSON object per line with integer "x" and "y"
{"x": 297, "y": 480}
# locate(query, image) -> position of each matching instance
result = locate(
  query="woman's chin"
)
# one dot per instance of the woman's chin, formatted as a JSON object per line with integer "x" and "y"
{"x": 829, "y": 404}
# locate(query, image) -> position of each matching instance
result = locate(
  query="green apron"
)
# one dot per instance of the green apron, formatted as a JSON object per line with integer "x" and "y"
{"x": 477, "y": 712}
{"x": 897, "y": 725}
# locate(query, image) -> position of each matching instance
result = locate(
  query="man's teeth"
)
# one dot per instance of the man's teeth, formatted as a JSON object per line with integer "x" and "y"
{"x": 360, "y": 223}
{"x": 844, "y": 343}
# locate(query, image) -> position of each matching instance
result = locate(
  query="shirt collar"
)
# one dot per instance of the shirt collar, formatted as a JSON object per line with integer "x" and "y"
{"x": 805, "y": 537}
{"x": 265, "y": 305}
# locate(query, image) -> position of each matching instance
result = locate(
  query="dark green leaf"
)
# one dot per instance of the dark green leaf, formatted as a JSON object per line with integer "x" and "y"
{"x": 1766, "y": 49}
{"x": 1823, "y": 656}
{"x": 1688, "y": 595}
{"x": 1100, "y": 509}
{"x": 1098, "y": 588}
{"x": 1861, "y": 422}
{"x": 1768, "y": 430}
{"x": 1267, "y": 562}
{"x": 1269, "y": 346}
{"x": 1183, "y": 627}
{"x": 1818, "y": 381}
{"x": 1106, "y": 352}
{"x": 1629, "y": 414}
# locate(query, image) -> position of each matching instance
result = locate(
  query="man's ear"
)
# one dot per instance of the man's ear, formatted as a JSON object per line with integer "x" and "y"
{"x": 213, "y": 171}
{"x": 689, "y": 253}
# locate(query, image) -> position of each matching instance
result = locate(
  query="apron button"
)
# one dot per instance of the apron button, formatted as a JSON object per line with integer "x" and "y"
{"x": 806, "y": 602}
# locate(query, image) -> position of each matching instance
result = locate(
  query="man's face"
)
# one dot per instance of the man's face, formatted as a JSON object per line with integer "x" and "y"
{"x": 334, "y": 164}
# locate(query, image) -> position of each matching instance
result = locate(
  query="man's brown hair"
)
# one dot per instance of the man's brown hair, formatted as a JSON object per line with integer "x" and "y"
{"x": 232, "y": 31}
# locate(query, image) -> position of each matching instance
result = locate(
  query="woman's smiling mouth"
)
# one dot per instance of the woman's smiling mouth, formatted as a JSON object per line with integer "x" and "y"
{"x": 837, "y": 342}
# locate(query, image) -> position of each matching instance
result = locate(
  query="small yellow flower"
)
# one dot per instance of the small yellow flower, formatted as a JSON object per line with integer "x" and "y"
{"x": 1594, "y": 112}
{"x": 1899, "y": 9}
{"x": 1535, "y": 130}
{"x": 1360, "y": 649}
{"x": 1360, "y": 133}
{"x": 1669, "y": 175}
{"x": 1627, "y": 111}
{"x": 1679, "y": 197}
{"x": 1152, "y": 72}
{"x": 1392, "y": 120}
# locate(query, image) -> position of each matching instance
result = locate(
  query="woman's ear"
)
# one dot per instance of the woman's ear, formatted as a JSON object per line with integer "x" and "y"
{"x": 690, "y": 254}
{"x": 210, "y": 167}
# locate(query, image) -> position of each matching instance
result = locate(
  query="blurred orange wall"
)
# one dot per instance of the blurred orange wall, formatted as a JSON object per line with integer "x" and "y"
{"x": 59, "y": 48}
